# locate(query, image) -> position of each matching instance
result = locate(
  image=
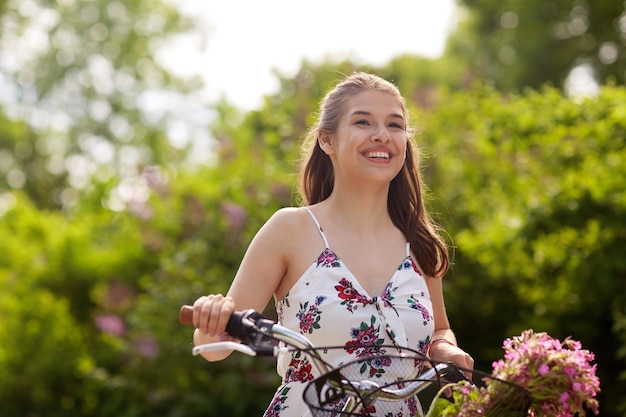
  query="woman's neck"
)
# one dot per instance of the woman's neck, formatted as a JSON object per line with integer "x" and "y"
{"x": 359, "y": 210}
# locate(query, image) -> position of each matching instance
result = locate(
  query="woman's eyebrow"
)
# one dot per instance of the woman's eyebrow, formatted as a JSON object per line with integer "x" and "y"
{"x": 367, "y": 113}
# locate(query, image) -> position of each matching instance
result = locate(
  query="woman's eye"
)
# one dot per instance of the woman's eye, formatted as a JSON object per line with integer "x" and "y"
{"x": 396, "y": 125}
{"x": 361, "y": 122}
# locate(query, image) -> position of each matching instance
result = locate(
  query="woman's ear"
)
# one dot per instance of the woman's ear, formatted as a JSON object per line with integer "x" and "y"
{"x": 325, "y": 143}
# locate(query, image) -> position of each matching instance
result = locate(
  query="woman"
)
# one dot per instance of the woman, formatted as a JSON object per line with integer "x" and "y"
{"x": 361, "y": 262}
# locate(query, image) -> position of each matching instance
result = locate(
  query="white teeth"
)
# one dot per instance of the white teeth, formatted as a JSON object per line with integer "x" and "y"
{"x": 378, "y": 155}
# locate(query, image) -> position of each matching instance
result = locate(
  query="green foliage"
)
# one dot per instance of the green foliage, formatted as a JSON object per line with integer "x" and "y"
{"x": 85, "y": 93}
{"x": 86, "y": 304}
{"x": 46, "y": 358}
{"x": 532, "y": 191}
{"x": 521, "y": 43}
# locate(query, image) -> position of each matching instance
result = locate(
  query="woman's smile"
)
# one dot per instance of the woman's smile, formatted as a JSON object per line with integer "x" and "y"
{"x": 378, "y": 155}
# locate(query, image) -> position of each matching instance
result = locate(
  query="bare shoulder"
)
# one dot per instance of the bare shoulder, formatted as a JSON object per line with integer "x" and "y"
{"x": 270, "y": 255}
{"x": 289, "y": 214}
{"x": 286, "y": 229}
{"x": 287, "y": 220}
{"x": 296, "y": 238}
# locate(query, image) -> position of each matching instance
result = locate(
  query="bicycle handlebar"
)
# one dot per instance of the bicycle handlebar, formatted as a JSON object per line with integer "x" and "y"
{"x": 240, "y": 324}
{"x": 256, "y": 332}
{"x": 250, "y": 327}
{"x": 238, "y": 321}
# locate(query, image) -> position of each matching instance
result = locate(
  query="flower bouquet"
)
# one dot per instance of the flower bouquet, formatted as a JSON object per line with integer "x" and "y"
{"x": 539, "y": 376}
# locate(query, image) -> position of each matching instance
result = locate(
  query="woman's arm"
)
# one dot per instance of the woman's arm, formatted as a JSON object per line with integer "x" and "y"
{"x": 259, "y": 275}
{"x": 444, "y": 345}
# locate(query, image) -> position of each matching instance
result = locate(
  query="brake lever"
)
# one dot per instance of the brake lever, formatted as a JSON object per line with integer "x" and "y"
{"x": 218, "y": 346}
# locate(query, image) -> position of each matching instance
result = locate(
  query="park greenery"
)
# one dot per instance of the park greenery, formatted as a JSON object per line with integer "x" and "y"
{"x": 109, "y": 221}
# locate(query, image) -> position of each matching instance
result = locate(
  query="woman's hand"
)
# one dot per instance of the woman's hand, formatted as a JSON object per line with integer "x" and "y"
{"x": 211, "y": 314}
{"x": 446, "y": 352}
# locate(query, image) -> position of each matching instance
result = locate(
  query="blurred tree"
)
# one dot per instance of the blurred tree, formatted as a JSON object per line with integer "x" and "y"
{"x": 88, "y": 92}
{"x": 53, "y": 359}
{"x": 531, "y": 189}
{"x": 527, "y": 43}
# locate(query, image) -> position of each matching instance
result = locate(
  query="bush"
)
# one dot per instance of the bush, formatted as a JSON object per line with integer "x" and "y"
{"x": 531, "y": 188}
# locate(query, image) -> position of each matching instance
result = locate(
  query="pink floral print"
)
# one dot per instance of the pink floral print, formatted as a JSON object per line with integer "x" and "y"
{"x": 350, "y": 296}
{"x": 328, "y": 302}
{"x": 417, "y": 305}
{"x": 299, "y": 368}
{"x": 278, "y": 403}
{"x": 310, "y": 316}
{"x": 328, "y": 259}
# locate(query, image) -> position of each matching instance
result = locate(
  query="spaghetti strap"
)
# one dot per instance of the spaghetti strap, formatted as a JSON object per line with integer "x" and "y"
{"x": 408, "y": 249}
{"x": 318, "y": 227}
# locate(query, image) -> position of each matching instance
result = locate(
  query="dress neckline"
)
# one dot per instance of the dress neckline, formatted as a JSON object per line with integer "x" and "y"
{"x": 328, "y": 253}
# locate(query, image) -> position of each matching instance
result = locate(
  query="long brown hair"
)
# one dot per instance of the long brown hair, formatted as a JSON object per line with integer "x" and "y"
{"x": 404, "y": 202}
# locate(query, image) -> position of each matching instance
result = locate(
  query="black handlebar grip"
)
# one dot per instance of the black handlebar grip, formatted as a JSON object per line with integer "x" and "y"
{"x": 238, "y": 326}
{"x": 235, "y": 326}
{"x": 454, "y": 374}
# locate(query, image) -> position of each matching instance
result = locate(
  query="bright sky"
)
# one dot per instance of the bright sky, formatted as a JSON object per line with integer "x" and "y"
{"x": 247, "y": 39}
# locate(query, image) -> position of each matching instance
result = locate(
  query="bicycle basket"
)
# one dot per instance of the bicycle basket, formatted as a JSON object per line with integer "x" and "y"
{"x": 379, "y": 382}
{"x": 391, "y": 381}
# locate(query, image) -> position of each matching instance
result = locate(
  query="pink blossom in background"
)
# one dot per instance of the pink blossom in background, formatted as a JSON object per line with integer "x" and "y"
{"x": 156, "y": 180}
{"x": 110, "y": 323}
{"x": 235, "y": 215}
{"x": 147, "y": 347}
{"x": 140, "y": 209}
{"x": 117, "y": 297}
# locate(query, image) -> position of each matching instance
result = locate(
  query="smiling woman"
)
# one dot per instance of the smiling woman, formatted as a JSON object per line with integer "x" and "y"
{"x": 378, "y": 258}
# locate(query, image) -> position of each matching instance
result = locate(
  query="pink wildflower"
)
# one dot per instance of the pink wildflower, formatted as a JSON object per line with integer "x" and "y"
{"x": 558, "y": 375}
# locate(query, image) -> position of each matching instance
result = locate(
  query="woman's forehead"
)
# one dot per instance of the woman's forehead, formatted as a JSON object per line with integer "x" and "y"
{"x": 374, "y": 101}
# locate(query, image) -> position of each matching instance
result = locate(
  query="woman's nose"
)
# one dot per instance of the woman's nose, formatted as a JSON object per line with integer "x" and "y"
{"x": 381, "y": 135}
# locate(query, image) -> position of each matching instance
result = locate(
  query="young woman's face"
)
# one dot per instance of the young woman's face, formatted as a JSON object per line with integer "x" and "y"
{"x": 371, "y": 138}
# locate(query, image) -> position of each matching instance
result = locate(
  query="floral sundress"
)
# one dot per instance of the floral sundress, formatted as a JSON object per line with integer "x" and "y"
{"x": 329, "y": 306}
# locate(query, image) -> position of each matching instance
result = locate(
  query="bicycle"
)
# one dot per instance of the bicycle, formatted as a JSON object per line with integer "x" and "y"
{"x": 341, "y": 391}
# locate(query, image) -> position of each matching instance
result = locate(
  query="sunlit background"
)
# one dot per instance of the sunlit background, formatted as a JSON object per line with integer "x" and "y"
{"x": 143, "y": 142}
{"x": 246, "y": 40}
